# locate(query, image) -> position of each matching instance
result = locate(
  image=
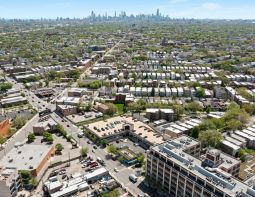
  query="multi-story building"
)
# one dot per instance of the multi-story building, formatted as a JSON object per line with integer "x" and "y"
{"x": 155, "y": 114}
{"x": 67, "y": 110}
{"x": 10, "y": 182}
{"x": 174, "y": 166}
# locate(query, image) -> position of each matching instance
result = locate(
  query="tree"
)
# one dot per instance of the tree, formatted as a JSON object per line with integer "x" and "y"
{"x": 195, "y": 132}
{"x": 112, "y": 149}
{"x": 84, "y": 151}
{"x": 59, "y": 147}
{"x": 137, "y": 106}
{"x": 200, "y": 93}
{"x": 140, "y": 159}
{"x": 249, "y": 108}
{"x": 94, "y": 138}
{"x": 121, "y": 159}
{"x": 234, "y": 124}
{"x": 178, "y": 110}
{"x": 48, "y": 137}
{"x": 2, "y": 140}
{"x": 235, "y": 112}
{"x": 112, "y": 109}
{"x": 34, "y": 182}
{"x": 210, "y": 138}
{"x": 25, "y": 176}
{"x": 193, "y": 107}
{"x": 104, "y": 142}
{"x": 61, "y": 130}
{"x": 31, "y": 137}
{"x": 5, "y": 86}
{"x": 19, "y": 122}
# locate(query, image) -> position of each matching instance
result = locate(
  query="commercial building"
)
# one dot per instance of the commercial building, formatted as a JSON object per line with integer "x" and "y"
{"x": 28, "y": 157}
{"x": 77, "y": 183}
{"x": 68, "y": 101}
{"x": 40, "y": 127}
{"x": 96, "y": 175}
{"x": 174, "y": 166}
{"x": 7, "y": 102}
{"x": 79, "y": 92}
{"x": 44, "y": 92}
{"x": 120, "y": 127}
{"x": 67, "y": 110}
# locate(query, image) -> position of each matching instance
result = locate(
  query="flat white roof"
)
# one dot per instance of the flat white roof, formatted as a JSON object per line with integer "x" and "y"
{"x": 95, "y": 173}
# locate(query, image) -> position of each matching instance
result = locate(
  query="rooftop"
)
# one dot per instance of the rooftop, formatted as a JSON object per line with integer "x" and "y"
{"x": 115, "y": 125}
{"x": 26, "y": 157}
{"x": 175, "y": 150}
{"x": 68, "y": 100}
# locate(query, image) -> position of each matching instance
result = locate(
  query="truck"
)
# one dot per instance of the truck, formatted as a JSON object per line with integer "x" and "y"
{"x": 133, "y": 178}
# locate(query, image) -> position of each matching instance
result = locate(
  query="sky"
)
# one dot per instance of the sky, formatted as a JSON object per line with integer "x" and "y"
{"x": 201, "y": 9}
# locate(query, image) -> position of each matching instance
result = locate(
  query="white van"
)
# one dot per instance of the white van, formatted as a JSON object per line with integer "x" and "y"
{"x": 133, "y": 178}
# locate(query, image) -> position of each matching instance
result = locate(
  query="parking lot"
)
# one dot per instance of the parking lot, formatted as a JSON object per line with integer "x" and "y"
{"x": 17, "y": 111}
{"x": 82, "y": 117}
{"x": 132, "y": 146}
{"x": 69, "y": 174}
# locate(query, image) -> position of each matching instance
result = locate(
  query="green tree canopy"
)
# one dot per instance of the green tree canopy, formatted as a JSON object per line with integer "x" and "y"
{"x": 19, "y": 122}
{"x": 210, "y": 138}
{"x": 112, "y": 109}
{"x": 200, "y": 93}
{"x": 31, "y": 137}
{"x": 84, "y": 151}
{"x": 112, "y": 149}
{"x": 193, "y": 107}
{"x": 59, "y": 147}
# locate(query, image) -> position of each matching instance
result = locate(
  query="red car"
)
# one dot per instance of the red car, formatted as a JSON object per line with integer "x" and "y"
{"x": 93, "y": 165}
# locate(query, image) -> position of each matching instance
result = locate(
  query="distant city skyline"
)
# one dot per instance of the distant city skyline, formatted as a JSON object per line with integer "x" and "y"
{"x": 198, "y": 9}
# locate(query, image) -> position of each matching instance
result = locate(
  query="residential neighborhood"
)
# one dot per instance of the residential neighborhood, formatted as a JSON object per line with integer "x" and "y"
{"x": 143, "y": 105}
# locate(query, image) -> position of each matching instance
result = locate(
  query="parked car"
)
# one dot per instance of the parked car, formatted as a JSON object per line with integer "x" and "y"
{"x": 80, "y": 135}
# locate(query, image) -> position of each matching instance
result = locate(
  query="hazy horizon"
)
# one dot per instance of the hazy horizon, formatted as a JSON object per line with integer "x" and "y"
{"x": 197, "y": 9}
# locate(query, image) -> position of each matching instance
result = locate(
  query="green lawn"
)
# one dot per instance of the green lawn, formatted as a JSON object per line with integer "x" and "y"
{"x": 114, "y": 193}
{"x": 120, "y": 108}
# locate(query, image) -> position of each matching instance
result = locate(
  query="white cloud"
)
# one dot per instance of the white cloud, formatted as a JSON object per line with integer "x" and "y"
{"x": 210, "y": 6}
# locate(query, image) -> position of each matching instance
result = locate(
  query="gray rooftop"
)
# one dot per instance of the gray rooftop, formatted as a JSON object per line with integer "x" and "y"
{"x": 26, "y": 157}
{"x": 175, "y": 150}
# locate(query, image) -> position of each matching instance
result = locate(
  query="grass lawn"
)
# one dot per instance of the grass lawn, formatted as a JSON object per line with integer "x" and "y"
{"x": 114, "y": 193}
{"x": 120, "y": 108}
{"x": 129, "y": 154}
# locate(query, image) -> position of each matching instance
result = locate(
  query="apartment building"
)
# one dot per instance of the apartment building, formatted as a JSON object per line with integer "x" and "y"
{"x": 155, "y": 114}
{"x": 174, "y": 166}
{"x": 10, "y": 182}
